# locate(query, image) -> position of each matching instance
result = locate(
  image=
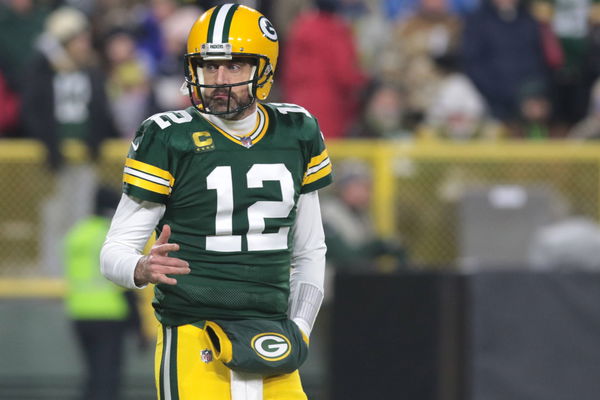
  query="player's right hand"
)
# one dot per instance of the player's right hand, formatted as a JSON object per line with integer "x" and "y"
{"x": 154, "y": 267}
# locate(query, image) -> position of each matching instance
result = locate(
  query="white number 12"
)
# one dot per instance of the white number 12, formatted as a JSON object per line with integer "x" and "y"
{"x": 220, "y": 179}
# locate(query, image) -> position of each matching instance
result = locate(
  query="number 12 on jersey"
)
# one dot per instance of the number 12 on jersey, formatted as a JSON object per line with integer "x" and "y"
{"x": 221, "y": 180}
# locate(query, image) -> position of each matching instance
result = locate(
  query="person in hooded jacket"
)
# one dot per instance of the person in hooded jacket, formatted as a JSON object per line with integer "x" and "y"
{"x": 63, "y": 100}
{"x": 502, "y": 52}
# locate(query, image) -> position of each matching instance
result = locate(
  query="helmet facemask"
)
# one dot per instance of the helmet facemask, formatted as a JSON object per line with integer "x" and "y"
{"x": 260, "y": 74}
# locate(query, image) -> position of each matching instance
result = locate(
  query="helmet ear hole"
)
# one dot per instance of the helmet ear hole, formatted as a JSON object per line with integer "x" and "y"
{"x": 268, "y": 69}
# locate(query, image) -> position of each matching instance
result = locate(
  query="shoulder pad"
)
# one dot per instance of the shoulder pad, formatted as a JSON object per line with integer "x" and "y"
{"x": 294, "y": 116}
{"x": 166, "y": 120}
{"x": 291, "y": 111}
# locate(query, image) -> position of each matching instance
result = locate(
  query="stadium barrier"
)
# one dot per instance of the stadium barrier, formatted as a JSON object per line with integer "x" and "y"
{"x": 417, "y": 191}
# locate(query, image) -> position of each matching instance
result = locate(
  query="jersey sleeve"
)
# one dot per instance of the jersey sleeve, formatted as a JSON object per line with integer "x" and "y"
{"x": 318, "y": 168}
{"x": 146, "y": 174}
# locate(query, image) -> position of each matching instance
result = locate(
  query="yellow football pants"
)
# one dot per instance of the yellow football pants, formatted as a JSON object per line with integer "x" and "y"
{"x": 185, "y": 370}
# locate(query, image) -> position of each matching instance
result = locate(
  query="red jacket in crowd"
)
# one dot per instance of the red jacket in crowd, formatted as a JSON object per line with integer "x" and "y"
{"x": 321, "y": 71}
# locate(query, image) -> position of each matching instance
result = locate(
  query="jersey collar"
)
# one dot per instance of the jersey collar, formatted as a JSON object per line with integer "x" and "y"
{"x": 254, "y": 136}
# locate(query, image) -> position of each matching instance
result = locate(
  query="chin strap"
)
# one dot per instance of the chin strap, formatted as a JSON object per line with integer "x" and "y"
{"x": 184, "y": 88}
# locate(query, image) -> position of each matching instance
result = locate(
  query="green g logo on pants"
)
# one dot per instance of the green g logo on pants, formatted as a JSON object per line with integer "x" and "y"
{"x": 271, "y": 346}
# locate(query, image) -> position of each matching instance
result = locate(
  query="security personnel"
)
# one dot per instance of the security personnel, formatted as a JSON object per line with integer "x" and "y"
{"x": 100, "y": 310}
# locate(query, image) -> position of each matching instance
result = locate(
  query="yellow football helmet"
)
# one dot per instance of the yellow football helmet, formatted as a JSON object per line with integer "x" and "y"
{"x": 225, "y": 32}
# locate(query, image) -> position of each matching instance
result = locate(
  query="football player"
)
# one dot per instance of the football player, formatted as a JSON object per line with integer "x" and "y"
{"x": 230, "y": 187}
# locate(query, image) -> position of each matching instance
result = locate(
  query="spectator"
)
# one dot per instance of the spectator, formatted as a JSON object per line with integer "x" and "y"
{"x": 383, "y": 113}
{"x": 543, "y": 11}
{"x": 168, "y": 80}
{"x": 320, "y": 68}
{"x": 427, "y": 34}
{"x": 570, "y": 23}
{"x": 352, "y": 242}
{"x": 151, "y": 36}
{"x": 111, "y": 15}
{"x": 352, "y": 10}
{"x": 21, "y": 21}
{"x": 400, "y": 9}
{"x": 64, "y": 99}
{"x": 535, "y": 109}
{"x": 285, "y": 12}
{"x": 372, "y": 34}
{"x": 463, "y": 7}
{"x": 458, "y": 112}
{"x": 130, "y": 94}
{"x": 101, "y": 312}
{"x": 65, "y": 88}
{"x": 9, "y": 104}
{"x": 589, "y": 127}
{"x": 502, "y": 51}
{"x": 592, "y": 59}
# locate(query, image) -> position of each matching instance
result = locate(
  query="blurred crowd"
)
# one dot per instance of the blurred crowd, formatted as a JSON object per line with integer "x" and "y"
{"x": 397, "y": 69}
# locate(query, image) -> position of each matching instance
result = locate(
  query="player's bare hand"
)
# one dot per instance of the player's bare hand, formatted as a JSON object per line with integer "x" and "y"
{"x": 154, "y": 267}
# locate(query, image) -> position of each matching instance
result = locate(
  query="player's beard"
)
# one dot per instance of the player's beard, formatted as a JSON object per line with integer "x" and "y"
{"x": 222, "y": 100}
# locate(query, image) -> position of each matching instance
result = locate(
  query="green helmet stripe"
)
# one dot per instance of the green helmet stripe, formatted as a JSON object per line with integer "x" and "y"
{"x": 220, "y": 23}
{"x": 211, "y": 24}
{"x": 227, "y": 24}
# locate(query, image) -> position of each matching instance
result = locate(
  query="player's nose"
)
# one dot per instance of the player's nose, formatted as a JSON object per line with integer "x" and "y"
{"x": 222, "y": 76}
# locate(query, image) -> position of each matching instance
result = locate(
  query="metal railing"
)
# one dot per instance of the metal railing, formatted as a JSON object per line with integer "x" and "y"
{"x": 416, "y": 189}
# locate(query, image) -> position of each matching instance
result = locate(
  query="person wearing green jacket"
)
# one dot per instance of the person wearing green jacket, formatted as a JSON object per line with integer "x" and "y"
{"x": 353, "y": 243}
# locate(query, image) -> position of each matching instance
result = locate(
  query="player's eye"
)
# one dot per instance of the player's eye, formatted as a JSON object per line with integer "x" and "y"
{"x": 235, "y": 67}
{"x": 210, "y": 67}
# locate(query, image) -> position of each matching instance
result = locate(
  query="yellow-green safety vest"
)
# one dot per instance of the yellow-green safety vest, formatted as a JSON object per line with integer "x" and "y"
{"x": 89, "y": 294}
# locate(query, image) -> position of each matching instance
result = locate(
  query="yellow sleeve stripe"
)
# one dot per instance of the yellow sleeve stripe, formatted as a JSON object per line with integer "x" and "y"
{"x": 144, "y": 184}
{"x": 150, "y": 169}
{"x": 316, "y": 160}
{"x": 317, "y": 175}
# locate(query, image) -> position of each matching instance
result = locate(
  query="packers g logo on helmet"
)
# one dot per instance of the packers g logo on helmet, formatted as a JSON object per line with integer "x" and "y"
{"x": 223, "y": 33}
{"x": 271, "y": 346}
{"x": 267, "y": 29}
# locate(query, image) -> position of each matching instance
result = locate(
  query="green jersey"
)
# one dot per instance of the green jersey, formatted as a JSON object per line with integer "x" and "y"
{"x": 231, "y": 203}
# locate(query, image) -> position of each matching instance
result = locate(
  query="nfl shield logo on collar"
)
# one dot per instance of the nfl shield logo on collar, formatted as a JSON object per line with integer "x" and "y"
{"x": 206, "y": 355}
{"x": 247, "y": 141}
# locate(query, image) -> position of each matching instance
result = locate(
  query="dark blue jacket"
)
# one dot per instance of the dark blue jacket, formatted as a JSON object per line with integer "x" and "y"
{"x": 501, "y": 56}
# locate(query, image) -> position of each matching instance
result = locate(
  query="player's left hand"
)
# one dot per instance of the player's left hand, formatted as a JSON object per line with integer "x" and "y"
{"x": 155, "y": 267}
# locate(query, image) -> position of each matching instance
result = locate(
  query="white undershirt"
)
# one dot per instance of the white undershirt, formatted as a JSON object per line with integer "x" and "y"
{"x": 235, "y": 127}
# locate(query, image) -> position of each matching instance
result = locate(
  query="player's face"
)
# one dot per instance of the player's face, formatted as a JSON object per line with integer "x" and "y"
{"x": 225, "y": 72}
